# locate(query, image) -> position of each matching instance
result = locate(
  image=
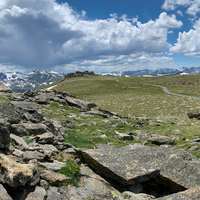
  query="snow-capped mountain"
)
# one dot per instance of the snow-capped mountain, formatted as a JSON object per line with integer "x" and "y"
{"x": 165, "y": 71}
{"x": 20, "y": 82}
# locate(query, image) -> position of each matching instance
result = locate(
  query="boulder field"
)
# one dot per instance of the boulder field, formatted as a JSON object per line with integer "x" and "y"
{"x": 29, "y": 171}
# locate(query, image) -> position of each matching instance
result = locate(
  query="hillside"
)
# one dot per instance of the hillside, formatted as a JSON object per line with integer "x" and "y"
{"x": 138, "y": 141}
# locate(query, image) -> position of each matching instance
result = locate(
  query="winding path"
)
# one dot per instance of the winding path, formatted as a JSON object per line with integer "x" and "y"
{"x": 168, "y": 92}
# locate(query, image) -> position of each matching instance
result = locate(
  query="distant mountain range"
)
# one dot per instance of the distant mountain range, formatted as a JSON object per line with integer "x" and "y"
{"x": 165, "y": 71}
{"x": 157, "y": 72}
{"x": 20, "y": 82}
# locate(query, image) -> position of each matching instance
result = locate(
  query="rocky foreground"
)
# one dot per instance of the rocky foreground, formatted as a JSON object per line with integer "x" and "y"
{"x": 29, "y": 171}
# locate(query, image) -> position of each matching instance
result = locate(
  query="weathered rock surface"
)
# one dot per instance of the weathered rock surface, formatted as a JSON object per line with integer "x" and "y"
{"x": 83, "y": 105}
{"x": 16, "y": 174}
{"x": 137, "y": 163}
{"x": 30, "y": 155}
{"x": 24, "y": 129}
{"x": 53, "y": 177}
{"x": 52, "y": 166}
{"x": 3, "y": 193}
{"x": 38, "y": 194}
{"x": 18, "y": 140}
{"x": 123, "y": 136}
{"x": 193, "y": 193}
{"x": 160, "y": 139}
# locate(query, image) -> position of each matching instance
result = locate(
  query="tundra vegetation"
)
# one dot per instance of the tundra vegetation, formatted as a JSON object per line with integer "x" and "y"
{"x": 130, "y": 97}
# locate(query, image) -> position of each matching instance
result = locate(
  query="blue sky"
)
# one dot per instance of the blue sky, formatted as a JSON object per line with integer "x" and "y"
{"x": 98, "y": 35}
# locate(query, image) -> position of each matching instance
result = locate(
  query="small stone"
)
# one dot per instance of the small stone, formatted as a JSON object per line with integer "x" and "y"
{"x": 17, "y": 153}
{"x": 18, "y": 140}
{"x": 44, "y": 184}
{"x": 193, "y": 148}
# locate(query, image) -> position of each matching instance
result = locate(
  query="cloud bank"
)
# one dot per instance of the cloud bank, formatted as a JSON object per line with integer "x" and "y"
{"x": 187, "y": 42}
{"x": 43, "y": 34}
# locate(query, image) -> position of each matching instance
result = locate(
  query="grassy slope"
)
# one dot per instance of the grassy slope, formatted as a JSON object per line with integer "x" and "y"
{"x": 130, "y": 97}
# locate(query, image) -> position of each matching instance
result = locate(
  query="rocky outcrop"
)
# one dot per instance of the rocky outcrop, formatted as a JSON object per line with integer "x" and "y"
{"x": 164, "y": 166}
{"x": 79, "y": 74}
{"x": 15, "y": 174}
{"x": 65, "y": 98}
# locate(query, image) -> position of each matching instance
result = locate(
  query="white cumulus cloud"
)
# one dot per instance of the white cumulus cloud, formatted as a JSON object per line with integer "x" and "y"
{"x": 44, "y": 34}
{"x": 189, "y": 42}
{"x": 193, "y": 5}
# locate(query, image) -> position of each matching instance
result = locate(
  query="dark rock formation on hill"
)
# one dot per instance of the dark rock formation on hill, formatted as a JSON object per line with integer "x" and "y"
{"x": 78, "y": 74}
{"x": 31, "y": 172}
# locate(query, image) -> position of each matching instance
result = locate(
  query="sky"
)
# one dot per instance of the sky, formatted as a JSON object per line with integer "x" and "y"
{"x": 98, "y": 35}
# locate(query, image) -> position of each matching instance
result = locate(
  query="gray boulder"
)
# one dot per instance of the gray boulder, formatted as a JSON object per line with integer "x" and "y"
{"x": 15, "y": 174}
{"x": 27, "y": 129}
{"x": 38, "y": 194}
{"x": 4, "y": 131}
{"x": 30, "y": 155}
{"x": 133, "y": 164}
{"x": 160, "y": 139}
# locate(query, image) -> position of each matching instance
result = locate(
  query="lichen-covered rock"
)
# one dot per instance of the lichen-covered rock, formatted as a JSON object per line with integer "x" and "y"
{"x": 53, "y": 177}
{"x": 30, "y": 155}
{"x": 16, "y": 174}
{"x": 135, "y": 164}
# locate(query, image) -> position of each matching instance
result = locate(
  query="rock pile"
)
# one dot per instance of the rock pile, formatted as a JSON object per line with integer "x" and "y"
{"x": 78, "y": 74}
{"x": 29, "y": 170}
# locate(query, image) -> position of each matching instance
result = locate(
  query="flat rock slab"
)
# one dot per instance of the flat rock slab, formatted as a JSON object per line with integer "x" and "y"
{"x": 138, "y": 163}
{"x": 28, "y": 106}
{"x": 53, "y": 177}
{"x": 30, "y": 155}
{"x": 191, "y": 194}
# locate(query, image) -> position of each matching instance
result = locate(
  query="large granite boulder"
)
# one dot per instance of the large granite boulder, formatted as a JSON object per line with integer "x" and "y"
{"x": 9, "y": 111}
{"x": 23, "y": 129}
{"x": 16, "y": 175}
{"x": 168, "y": 166}
{"x": 82, "y": 105}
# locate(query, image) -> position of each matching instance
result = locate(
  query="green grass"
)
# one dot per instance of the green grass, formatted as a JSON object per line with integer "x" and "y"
{"x": 132, "y": 98}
